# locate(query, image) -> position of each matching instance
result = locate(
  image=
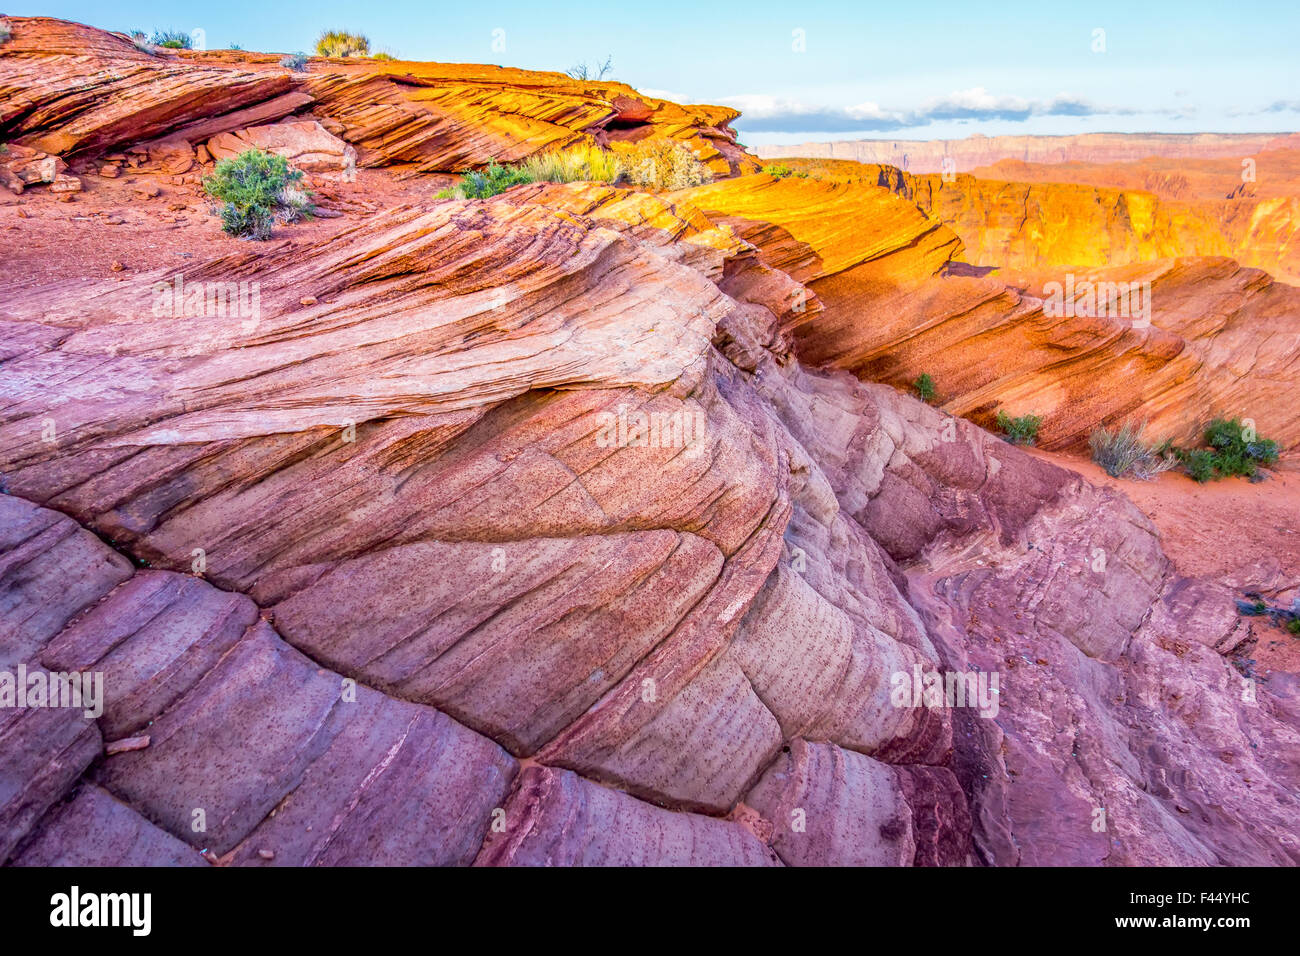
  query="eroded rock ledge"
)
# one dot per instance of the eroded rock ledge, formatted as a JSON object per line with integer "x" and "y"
{"x": 381, "y": 584}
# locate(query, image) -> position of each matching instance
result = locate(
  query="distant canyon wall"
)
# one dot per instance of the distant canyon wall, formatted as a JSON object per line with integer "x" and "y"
{"x": 1035, "y": 225}
{"x": 922, "y": 156}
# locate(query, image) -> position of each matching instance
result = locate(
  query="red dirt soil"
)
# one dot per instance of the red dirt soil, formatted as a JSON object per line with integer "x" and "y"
{"x": 47, "y": 238}
{"x": 1246, "y": 535}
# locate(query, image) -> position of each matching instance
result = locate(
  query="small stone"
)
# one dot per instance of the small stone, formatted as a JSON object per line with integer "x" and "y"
{"x": 109, "y": 172}
{"x": 65, "y": 183}
{"x": 266, "y": 854}
{"x": 117, "y": 266}
{"x": 148, "y": 190}
{"x": 307, "y": 300}
{"x": 126, "y": 744}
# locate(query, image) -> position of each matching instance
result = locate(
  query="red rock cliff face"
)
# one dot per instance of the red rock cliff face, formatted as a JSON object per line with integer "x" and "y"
{"x": 71, "y": 90}
{"x": 515, "y": 532}
{"x": 896, "y": 296}
{"x": 1035, "y": 225}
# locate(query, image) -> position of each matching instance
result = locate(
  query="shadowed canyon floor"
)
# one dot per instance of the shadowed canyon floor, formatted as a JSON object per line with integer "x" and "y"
{"x": 586, "y": 525}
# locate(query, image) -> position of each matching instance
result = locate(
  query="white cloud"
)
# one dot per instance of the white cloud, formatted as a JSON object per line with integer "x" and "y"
{"x": 769, "y": 114}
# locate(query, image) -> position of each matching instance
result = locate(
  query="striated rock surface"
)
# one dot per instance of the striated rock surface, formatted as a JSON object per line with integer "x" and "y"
{"x": 248, "y": 745}
{"x": 71, "y": 90}
{"x": 812, "y": 228}
{"x": 894, "y": 300}
{"x": 307, "y": 146}
{"x": 555, "y": 818}
{"x": 1037, "y": 225}
{"x": 96, "y": 829}
{"x": 658, "y": 621}
{"x": 522, "y": 531}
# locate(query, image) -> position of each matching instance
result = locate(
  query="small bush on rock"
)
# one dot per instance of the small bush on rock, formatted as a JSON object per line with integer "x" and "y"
{"x": 580, "y": 164}
{"x": 295, "y": 61}
{"x": 1019, "y": 431}
{"x": 257, "y": 187}
{"x": 171, "y": 40}
{"x": 342, "y": 43}
{"x": 483, "y": 183}
{"x": 924, "y": 386}
{"x": 661, "y": 164}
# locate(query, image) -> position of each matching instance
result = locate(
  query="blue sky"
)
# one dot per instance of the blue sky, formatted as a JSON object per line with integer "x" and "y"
{"x": 892, "y": 70}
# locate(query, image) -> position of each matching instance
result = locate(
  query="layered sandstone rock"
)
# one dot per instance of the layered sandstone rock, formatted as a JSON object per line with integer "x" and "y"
{"x": 1039, "y": 225}
{"x": 71, "y": 90}
{"x": 447, "y": 539}
{"x": 518, "y": 531}
{"x": 307, "y": 145}
{"x": 1172, "y": 342}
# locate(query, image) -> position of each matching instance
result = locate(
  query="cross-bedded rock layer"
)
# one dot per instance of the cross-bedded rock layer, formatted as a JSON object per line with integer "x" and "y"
{"x": 427, "y": 552}
{"x": 514, "y": 532}
{"x": 72, "y": 90}
{"x": 1173, "y": 342}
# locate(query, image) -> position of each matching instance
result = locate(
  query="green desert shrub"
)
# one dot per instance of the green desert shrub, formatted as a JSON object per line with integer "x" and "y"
{"x": 1233, "y": 449}
{"x": 1125, "y": 452}
{"x": 382, "y": 55}
{"x": 779, "y": 170}
{"x": 1200, "y": 464}
{"x": 482, "y": 183}
{"x": 924, "y": 386}
{"x": 295, "y": 61}
{"x": 342, "y": 43}
{"x": 661, "y": 164}
{"x": 1293, "y": 626}
{"x": 589, "y": 164}
{"x": 1022, "y": 430}
{"x": 257, "y": 188}
{"x": 579, "y": 164}
{"x": 5, "y": 33}
{"x": 171, "y": 39}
